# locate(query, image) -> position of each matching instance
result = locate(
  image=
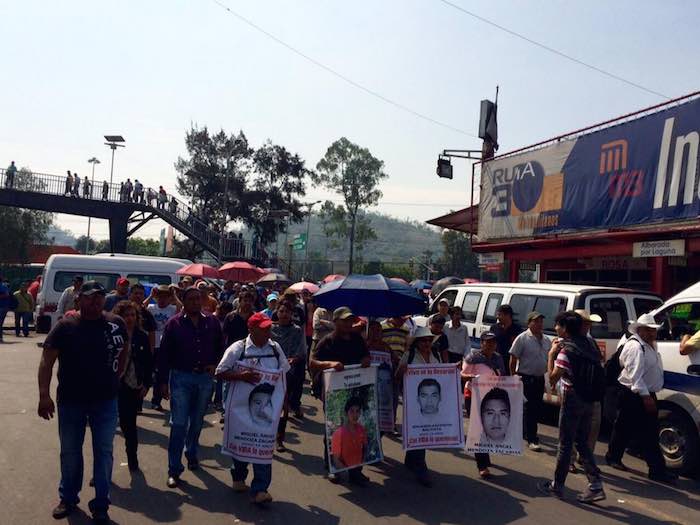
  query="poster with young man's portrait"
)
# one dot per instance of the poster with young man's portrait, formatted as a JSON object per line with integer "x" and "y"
{"x": 252, "y": 414}
{"x": 352, "y": 429}
{"x": 432, "y": 407}
{"x": 385, "y": 389}
{"x": 496, "y": 418}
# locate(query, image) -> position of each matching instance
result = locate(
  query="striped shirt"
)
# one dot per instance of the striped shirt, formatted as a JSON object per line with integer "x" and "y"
{"x": 563, "y": 362}
{"x": 395, "y": 337}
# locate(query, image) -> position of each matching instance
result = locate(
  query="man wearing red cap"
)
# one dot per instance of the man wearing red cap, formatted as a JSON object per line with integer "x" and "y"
{"x": 120, "y": 294}
{"x": 259, "y": 350}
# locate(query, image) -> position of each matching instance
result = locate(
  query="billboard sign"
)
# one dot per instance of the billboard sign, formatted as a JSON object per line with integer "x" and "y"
{"x": 637, "y": 172}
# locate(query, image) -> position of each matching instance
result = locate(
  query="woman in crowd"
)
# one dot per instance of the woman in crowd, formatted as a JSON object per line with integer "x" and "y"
{"x": 136, "y": 380}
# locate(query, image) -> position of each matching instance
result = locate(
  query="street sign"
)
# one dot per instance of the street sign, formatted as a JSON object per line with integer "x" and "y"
{"x": 674, "y": 248}
{"x": 299, "y": 242}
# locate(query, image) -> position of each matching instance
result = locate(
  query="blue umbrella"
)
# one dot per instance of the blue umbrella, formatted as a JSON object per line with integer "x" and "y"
{"x": 420, "y": 284}
{"x": 370, "y": 296}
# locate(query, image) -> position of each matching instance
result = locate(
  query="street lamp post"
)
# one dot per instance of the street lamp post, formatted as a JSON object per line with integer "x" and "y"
{"x": 310, "y": 205}
{"x": 114, "y": 142}
{"x": 93, "y": 161}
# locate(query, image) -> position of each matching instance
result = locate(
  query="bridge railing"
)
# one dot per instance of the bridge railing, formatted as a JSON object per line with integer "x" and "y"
{"x": 103, "y": 191}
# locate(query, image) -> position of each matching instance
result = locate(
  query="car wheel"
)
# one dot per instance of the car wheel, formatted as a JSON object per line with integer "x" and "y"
{"x": 679, "y": 441}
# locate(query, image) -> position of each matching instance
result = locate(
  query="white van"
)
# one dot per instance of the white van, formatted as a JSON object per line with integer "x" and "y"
{"x": 616, "y": 306}
{"x": 105, "y": 268}
{"x": 679, "y": 401}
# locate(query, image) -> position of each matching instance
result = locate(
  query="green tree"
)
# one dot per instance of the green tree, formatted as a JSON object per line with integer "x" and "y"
{"x": 336, "y": 227}
{"x": 457, "y": 257}
{"x": 227, "y": 180}
{"x": 354, "y": 173}
{"x": 139, "y": 246}
{"x": 22, "y": 228}
{"x": 81, "y": 244}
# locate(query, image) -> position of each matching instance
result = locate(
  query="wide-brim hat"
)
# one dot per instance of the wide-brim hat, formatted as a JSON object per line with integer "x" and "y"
{"x": 644, "y": 321}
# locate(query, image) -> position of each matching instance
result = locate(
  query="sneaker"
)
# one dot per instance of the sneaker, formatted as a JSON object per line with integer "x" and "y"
{"x": 280, "y": 447}
{"x": 663, "y": 477}
{"x": 62, "y": 510}
{"x": 239, "y": 486}
{"x": 334, "y": 478}
{"x": 573, "y": 469}
{"x": 485, "y": 473}
{"x": 535, "y": 447}
{"x": 261, "y": 498}
{"x": 173, "y": 481}
{"x": 547, "y": 487}
{"x": 100, "y": 517}
{"x": 156, "y": 406}
{"x": 591, "y": 495}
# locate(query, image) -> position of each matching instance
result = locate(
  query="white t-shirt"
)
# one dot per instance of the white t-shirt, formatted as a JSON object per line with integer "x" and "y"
{"x": 161, "y": 316}
{"x": 254, "y": 355}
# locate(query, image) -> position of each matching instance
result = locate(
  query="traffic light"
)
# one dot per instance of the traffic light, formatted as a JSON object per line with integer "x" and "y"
{"x": 444, "y": 167}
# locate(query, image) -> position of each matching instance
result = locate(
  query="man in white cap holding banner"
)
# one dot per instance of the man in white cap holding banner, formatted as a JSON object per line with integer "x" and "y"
{"x": 641, "y": 376}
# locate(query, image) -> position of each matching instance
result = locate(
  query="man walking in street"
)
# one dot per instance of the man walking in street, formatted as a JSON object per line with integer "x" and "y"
{"x": 641, "y": 376}
{"x": 24, "y": 310}
{"x": 505, "y": 331}
{"x": 191, "y": 347}
{"x": 67, "y": 300}
{"x": 260, "y": 350}
{"x": 342, "y": 347}
{"x": 457, "y": 336}
{"x": 166, "y": 306}
{"x": 582, "y": 378}
{"x": 90, "y": 350}
{"x": 120, "y": 294}
{"x": 528, "y": 359}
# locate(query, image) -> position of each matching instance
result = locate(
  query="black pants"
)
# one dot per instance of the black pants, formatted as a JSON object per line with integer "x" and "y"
{"x": 295, "y": 384}
{"x": 129, "y": 403}
{"x": 415, "y": 461}
{"x": 634, "y": 421}
{"x": 483, "y": 460}
{"x": 533, "y": 390}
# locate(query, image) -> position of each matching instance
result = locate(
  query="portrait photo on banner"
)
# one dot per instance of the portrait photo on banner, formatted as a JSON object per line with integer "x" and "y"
{"x": 252, "y": 414}
{"x": 385, "y": 389}
{"x": 496, "y": 418}
{"x": 352, "y": 429}
{"x": 432, "y": 407}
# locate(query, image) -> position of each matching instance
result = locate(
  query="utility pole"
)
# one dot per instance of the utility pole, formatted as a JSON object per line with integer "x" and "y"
{"x": 92, "y": 161}
{"x": 310, "y": 206}
{"x": 223, "y": 225}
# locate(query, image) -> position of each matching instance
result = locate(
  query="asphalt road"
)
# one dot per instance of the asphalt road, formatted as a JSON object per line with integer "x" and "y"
{"x": 30, "y": 471}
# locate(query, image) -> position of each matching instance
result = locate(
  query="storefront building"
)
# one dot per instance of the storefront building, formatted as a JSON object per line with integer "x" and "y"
{"x": 616, "y": 204}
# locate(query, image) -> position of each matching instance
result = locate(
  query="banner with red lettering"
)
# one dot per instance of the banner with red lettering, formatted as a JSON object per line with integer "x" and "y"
{"x": 252, "y": 415}
{"x": 432, "y": 407}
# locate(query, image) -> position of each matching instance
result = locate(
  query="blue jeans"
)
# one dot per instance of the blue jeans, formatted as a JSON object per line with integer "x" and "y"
{"x": 189, "y": 396}
{"x": 262, "y": 475}
{"x": 73, "y": 418}
{"x": 24, "y": 318}
{"x": 3, "y": 314}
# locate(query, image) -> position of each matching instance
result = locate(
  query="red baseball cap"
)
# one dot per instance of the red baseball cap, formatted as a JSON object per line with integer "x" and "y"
{"x": 122, "y": 281}
{"x": 259, "y": 320}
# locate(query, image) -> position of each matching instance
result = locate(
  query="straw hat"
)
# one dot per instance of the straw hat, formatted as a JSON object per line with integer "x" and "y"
{"x": 645, "y": 321}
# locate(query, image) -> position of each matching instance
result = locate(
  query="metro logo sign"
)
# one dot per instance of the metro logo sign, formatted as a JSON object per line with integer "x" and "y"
{"x": 637, "y": 172}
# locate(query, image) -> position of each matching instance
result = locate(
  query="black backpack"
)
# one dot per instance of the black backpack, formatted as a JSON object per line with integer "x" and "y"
{"x": 587, "y": 376}
{"x": 613, "y": 368}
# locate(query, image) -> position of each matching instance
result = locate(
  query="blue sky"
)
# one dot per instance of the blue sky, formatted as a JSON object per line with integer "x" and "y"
{"x": 76, "y": 70}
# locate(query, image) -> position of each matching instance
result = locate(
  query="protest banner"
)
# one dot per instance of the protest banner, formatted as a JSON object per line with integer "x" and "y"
{"x": 432, "y": 407}
{"x": 385, "y": 389}
{"x": 352, "y": 430}
{"x": 252, "y": 415}
{"x": 496, "y": 418}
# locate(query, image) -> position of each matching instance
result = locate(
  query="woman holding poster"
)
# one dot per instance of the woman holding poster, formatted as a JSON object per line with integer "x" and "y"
{"x": 428, "y": 396}
{"x": 256, "y": 367}
{"x": 381, "y": 355}
{"x": 484, "y": 362}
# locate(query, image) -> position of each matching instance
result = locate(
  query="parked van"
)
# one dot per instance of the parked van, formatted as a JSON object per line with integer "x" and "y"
{"x": 106, "y": 269}
{"x": 615, "y": 306}
{"x": 679, "y": 401}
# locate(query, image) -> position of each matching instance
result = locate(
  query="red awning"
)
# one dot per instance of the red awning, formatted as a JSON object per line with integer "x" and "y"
{"x": 465, "y": 220}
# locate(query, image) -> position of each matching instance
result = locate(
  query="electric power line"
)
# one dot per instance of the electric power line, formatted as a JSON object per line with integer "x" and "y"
{"x": 341, "y": 76}
{"x": 552, "y": 50}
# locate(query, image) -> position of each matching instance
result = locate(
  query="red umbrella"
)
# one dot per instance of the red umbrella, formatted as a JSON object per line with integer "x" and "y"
{"x": 199, "y": 271}
{"x": 399, "y": 280}
{"x": 301, "y": 286}
{"x": 470, "y": 280}
{"x": 333, "y": 277}
{"x": 240, "y": 271}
